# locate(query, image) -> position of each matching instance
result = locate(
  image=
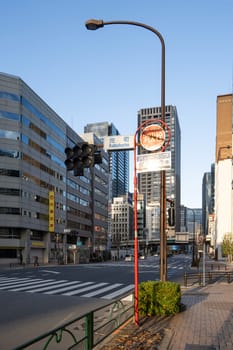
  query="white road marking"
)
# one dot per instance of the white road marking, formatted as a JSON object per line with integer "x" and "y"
{"x": 66, "y": 283}
{"x": 50, "y": 271}
{"x": 44, "y": 283}
{"x": 77, "y": 284}
{"x": 118, "y": 292}
{"x": 102, "y": 290}
{"x": 20, "y": 283}
{"x": 78, "y": 291}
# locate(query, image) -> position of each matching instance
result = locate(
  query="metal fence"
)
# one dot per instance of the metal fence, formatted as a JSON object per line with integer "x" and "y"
{"x": 209, "y": 277}
{"x": 86, "y": 331}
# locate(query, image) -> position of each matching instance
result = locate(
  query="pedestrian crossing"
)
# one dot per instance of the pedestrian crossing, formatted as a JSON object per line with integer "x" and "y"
{"x": 102, "y": 290}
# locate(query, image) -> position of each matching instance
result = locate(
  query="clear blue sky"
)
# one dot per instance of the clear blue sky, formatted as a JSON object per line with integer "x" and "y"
{"x": 109, "y": 74}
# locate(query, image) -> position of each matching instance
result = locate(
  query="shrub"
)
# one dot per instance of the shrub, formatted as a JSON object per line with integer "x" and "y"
{"x": 159, "y": 298}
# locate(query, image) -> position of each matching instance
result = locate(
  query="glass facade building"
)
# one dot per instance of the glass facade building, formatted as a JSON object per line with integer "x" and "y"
{"x": 207, "y": 198}
{"x": 118, "y": 161}
{"x": 149, "y": 183}
{"x": 44, "y": 210}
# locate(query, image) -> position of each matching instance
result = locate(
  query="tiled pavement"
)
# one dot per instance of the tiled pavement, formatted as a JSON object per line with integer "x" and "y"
{"x": 207, "y": 322}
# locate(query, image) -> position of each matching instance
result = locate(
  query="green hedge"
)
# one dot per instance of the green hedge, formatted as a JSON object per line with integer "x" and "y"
{"x": 159, "y": 298}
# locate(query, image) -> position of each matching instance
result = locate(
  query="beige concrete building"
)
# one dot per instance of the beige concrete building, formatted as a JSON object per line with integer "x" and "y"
{"x": 223, "y": 172}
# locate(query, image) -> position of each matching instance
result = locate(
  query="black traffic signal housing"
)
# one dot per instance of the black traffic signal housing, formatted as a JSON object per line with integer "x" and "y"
{"x": 82, "y": 155}
{"x": 171, "y": 215}
{"x": 85, "y": 155}
{"x": 97, "y": 156}
{"x": 69, "y": 158}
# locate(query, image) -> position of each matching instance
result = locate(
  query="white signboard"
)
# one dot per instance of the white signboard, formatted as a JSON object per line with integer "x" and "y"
{"x": 118, "y": 143}
{"x": 153, "y": 162}
{"x": 182, "y": 237}
{"x": 67, "y": 230}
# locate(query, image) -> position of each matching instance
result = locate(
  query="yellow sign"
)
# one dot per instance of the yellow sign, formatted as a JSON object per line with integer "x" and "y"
{"x": 51, "y": 211}
{"x": 38, "y": 244}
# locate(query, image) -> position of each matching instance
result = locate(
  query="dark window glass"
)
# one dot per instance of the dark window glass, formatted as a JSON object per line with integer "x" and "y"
{"x": 8, "y": 253}
{"x": 9, "y": 115}
{"x": 41, "y": 133}
{"x": 8, "y": 134}
{"x": 10, "y": 211}
{"x": 27, "y": 141}
{"x": 35, "y": 111}
{"x": 9, "y": 232}
{"x": 9, "y": 172}
{"x": 9, "y": 96}
{"x": 9, "y": 191}
{"x": 10, "y": 154}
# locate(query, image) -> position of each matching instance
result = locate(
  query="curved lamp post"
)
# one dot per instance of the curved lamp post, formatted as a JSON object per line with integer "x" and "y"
{"x": 93, "y": 24}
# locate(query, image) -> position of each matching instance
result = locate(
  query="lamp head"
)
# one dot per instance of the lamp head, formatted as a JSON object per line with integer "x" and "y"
{"x": 93, "y": 24}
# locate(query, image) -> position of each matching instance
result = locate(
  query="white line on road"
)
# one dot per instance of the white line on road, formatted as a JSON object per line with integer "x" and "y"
{"x": 13, "y": 280}
{"x": 118, "y": 292}
{"x": 45, "y": 283}
{"x": 102, "y": 290}
{"x": 20, "y": 283}
{"x": 78, "y": 284}
{"x": 66, "y": 283}
{"x": 78, "y": 291}
{"x": 50, "y": 271}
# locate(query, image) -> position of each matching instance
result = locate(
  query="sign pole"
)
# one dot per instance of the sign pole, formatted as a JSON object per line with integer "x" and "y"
{"x": 153, "y": 139}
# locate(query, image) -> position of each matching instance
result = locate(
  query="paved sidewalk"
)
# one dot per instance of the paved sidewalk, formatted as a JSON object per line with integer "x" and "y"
{"x": 207, "y": 322}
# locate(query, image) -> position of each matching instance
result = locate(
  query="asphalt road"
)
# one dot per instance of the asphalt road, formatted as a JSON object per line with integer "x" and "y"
{"x": 34, "y": 300}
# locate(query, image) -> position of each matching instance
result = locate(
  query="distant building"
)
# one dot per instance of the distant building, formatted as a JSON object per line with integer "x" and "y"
{"x": 99, "y": 193}
{"x": 194, "y": 221}
{"x": 207, "y": 198}
{"x": 118, "y": 161}
{"x": 149, "y": 183}
{"x": 153, "y": 221}
{"x": 141, "y": 212}
{"x": 122, "y": 213}
{"x": 223, "y": 171}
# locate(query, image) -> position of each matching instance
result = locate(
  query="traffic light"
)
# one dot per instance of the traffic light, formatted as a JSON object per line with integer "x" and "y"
{"x": 171, "y": 215}
{"x": 69, "y": 158}
{"x": 82, "y": 155}
{"x": 87, "y": 155}
{"x": 97, "y": 157}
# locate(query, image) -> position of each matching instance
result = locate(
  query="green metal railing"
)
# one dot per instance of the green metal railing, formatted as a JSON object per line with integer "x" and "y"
{"x": 209, "y": 277}
{"x": 86, "y": 331}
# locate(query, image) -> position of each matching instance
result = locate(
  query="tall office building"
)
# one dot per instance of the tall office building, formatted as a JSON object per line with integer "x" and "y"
{"x": 45, "y": 211}
{"x": 206, "y": 200}
{"x": 122, "y": 222}
{"x": 223, "y": 170}
{"x": 118, "y": 162}
{"x": 208, "y": 183}
{"x": 149, "y": 183}
{"x": 191, "y": 220}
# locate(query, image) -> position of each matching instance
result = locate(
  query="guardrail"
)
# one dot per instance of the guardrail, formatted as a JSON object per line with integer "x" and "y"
{"x": 210, "y": 277}
{"x": 219, "y": 266}
{"x": 17, "y": 265}
{"x": 87, "y": 330}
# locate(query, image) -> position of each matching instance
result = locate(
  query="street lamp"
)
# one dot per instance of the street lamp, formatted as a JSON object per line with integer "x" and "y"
{"x": 93, "y": 24}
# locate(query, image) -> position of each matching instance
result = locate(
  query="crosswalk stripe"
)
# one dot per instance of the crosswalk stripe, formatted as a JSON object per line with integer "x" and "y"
{"x": 118, "y": 292}
{"x": 51, "y": 287}
{"x": 47, "y": 283}
{"x": 78, "y": 291}
{"x": 63, "y": 287}
{"x": 13, "y": 280}
{"x": 102, "y": 290}
{"x": 18, "y": 284}
{"x": 78, "y": 284}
